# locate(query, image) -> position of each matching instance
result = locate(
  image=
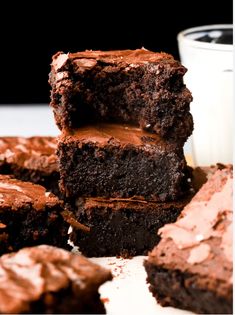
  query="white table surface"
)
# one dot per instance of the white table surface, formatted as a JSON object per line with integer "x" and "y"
{"x": 128, "y": 292}
{"x": 27, "y": 120}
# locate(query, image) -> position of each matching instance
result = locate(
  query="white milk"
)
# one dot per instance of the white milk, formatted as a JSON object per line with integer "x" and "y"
{"x": 210, "y": 79}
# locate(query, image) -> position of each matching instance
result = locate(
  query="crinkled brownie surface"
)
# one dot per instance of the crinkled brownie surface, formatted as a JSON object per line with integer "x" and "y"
{"x": 30, "y": 159}
{"x": 47, "y": 279}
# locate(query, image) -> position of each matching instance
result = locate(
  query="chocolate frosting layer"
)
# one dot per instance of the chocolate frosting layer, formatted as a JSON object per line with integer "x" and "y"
{"x": 116, "y": 134}
{"x": 15, "y": 194}
{"x": 26, "y": 275}
{"x": 35, "y": 153}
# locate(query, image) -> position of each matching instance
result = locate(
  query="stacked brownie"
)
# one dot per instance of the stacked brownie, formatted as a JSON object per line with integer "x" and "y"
{"x": 124, "y": 117}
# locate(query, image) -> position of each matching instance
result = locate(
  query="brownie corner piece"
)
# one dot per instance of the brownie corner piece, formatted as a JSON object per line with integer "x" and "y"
{"x": 49, "y": 280}
{"x": 29, "y": 215}
{"x": 31, "y": 159}
{"x": 120, "y": 161}
{"x": 191, "y": 268}
{"x": 141, "y": 87}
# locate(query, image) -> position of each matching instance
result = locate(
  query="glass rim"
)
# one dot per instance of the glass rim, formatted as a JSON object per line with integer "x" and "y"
{"x": 182, "y": 37}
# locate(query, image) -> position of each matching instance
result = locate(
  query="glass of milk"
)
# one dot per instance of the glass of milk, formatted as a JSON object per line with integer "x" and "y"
{"x": 207, "y": 53}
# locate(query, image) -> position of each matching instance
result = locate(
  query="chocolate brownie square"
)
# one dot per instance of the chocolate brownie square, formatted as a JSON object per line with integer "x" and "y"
{"x": 29, "y": 215}
{"x": 30, "y": 159}
{"x": 49, "y": 280}
{"x": 120, "y": 227}
{"x": 139, "y": 87}
{"x": 120, "y": 161}
{"x": 191, "y": 268}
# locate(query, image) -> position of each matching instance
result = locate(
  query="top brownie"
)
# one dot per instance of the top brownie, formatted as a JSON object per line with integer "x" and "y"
{"x": 31, "y": 159}
{"x": 137, "y": 87}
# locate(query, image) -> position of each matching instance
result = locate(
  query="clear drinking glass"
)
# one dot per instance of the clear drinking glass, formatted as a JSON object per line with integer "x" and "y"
{"x": 207, "y": 53}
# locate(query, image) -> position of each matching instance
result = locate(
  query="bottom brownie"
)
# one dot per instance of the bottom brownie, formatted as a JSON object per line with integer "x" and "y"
{"x": 29, "y": 216}
{"x": 120, "y": 227}
{"x": 49, "y": 280}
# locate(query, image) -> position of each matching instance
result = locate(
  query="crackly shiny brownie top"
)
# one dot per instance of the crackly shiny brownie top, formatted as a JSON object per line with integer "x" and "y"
{"x": 31, "y": 272}
{"x": 16, "y": 194}
{"x": 36, "y": 153}
{"x": 88, "y": 59}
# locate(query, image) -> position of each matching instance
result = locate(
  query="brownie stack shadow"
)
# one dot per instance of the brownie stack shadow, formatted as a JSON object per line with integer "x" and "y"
{"x": 124, "y": 117}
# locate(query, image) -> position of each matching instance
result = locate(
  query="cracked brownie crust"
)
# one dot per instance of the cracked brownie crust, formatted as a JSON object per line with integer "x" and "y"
{"x": 31, "y": 159}
{"x": 49, "y": 280}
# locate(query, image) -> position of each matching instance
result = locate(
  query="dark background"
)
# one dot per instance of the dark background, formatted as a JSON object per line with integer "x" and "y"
{"x": 31, "y": 33}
